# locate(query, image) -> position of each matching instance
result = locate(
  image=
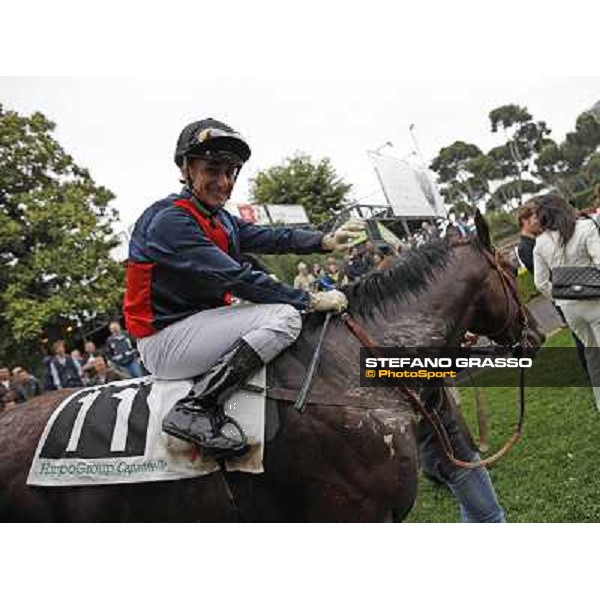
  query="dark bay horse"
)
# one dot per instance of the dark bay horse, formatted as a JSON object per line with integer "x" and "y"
{"x": 352, "y": 456}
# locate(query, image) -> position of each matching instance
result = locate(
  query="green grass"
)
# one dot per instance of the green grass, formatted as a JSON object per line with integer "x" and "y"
{"x": 552, "y": 474}
{"x": 526, "y": 286}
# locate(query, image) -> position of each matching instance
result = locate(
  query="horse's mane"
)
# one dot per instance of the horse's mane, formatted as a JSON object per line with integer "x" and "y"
{"x": 412, "y": 273}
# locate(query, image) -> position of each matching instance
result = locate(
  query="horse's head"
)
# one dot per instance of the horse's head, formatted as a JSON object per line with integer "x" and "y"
{"x": 498, "y": 310}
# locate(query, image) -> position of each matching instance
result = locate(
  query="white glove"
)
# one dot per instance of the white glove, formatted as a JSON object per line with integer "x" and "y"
{"x": 344, "y": 237}
{"x": 332, "y": 300}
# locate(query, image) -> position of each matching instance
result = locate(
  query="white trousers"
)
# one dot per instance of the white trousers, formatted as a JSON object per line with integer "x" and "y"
{"x": 583, "y": 317}
{"x": 192, "y": 346}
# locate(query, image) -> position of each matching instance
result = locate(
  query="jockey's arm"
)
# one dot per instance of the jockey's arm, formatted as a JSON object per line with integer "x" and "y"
{"x": 176, "y": 241}
{"x": 277, "y": 240}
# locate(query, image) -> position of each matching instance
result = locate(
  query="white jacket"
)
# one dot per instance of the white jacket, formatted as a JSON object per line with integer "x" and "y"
{"x": 582, "y": 250}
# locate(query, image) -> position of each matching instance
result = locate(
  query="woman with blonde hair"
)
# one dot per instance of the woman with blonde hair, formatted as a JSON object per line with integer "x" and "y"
{"x": 567, "y": 241}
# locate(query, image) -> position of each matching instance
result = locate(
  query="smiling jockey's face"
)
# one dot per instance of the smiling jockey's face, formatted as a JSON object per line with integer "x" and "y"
{"x": 212, "y": 181}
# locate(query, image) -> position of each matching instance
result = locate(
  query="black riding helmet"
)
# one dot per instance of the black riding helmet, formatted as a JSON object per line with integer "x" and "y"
{"x": 210, "y": 138}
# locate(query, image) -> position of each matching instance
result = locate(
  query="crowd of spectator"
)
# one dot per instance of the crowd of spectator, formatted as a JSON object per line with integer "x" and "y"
{"x": 365, "y": 257}
{"x": 119, "y": 360}
{"x": 334, "y": 274}
{"x": 320, "y": 278}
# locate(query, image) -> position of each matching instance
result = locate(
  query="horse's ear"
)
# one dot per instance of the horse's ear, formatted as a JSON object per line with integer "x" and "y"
{"x": 483, "y": 231}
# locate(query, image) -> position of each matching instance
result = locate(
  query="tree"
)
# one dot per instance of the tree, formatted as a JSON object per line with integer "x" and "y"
{"x": 571, "y": 166}
{"x": 464, "y": 172}
{"x": 505, "y": 192}
{"x": 581, "y": 143}
{"x": 301, "y": 180}
{"x": 525, "y": 164}
{"x": 55, "y": 238}
{"x": 514, "y": 159}
{"x": 507, "y": 116}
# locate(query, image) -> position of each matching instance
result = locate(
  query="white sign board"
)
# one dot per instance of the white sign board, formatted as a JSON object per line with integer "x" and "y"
{"x": 411, "y": 191}
{"x": 288, "y": 214}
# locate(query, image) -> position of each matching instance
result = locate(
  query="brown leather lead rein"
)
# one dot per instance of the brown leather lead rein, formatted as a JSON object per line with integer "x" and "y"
{"x": 433, "y": 418}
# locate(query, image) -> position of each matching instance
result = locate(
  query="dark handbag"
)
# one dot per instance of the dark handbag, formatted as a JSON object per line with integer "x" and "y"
{"x": 576, "y": 283}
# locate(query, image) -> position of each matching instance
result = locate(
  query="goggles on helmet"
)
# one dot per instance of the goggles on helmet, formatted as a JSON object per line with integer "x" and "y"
{"x": 218, "y": 156}
{"x": 212, "y": 142}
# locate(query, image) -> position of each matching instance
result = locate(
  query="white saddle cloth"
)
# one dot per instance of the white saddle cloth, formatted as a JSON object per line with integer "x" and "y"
{"x": 112, "y": 434}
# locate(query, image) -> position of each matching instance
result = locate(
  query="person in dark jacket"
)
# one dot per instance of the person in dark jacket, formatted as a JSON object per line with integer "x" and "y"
{"x": 529, "y": 229}
{"x": 47, "y": 380}
{"x": 331, "y": 279}
{"x": 66, "y": 372}
{"x": 353, "y": 268}
{"x": 27, "y": 386}
{"x": 185, "y": 265}
{"x": 121, "y": 351}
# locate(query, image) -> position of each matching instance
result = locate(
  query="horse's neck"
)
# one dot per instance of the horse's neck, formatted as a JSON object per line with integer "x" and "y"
{"x": 433, "y": 318}
{"x": 436, "y": 317}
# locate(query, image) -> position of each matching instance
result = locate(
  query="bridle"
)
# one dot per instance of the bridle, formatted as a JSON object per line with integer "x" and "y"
{"x": 510, "y": 290}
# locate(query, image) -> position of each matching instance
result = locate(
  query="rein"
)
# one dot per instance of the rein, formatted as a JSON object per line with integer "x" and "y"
{"x": 433, "y": 418}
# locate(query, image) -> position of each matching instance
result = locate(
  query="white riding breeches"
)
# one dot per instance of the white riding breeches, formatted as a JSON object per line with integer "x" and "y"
{"x": 190, "y": 347}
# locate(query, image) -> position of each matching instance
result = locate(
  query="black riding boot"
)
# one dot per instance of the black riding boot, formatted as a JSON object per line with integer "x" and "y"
{"x": 200, "y": 417}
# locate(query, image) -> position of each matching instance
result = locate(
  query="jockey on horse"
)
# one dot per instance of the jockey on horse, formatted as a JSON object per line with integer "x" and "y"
{"x": 184, "y": 266}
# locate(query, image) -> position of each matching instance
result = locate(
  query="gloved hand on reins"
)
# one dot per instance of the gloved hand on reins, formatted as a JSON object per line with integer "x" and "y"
{"x": 344, "y": 237}
{"x": 324, "y": 301}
